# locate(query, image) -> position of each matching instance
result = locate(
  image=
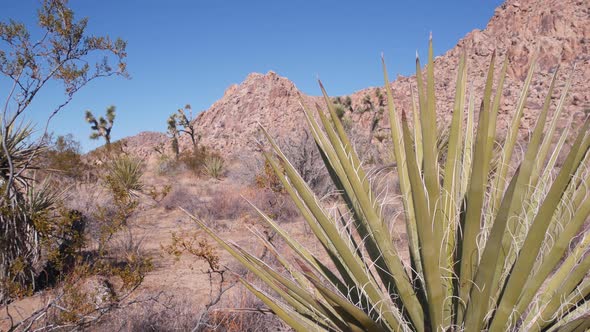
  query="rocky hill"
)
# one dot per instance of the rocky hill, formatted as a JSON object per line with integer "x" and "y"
{"x": 231, "y": 124}
{"x": 559, "y": 30}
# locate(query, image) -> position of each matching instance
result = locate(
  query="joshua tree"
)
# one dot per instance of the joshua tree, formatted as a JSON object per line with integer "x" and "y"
{"x": 186, "y": 122}
{"x": 368, "y": 103}
{"x": 340, "y": 110}
{"x": 348, "y": 103}
{"x": 102, "y": 127}
{"x": 380, "y": 97}
{"x": 173, "y": 132}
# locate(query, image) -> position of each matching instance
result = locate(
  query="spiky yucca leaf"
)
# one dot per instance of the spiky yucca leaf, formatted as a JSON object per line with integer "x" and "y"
{"x": 479, "y": 255}
{"x": 126, "y": 172}
{"x": 22, "y": 206}
{"x": 214, "y": 166}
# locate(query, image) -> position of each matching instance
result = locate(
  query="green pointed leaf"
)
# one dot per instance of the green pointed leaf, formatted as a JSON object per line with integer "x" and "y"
{"x": 404, "y": 182}
{"x": 475, "y": 197}
{"x": 524, "y": 263}
{"x": 294, "y": 320}
{"x": 429, "y": 247}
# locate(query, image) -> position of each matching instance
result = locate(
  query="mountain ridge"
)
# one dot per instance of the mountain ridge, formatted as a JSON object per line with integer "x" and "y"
{"x": 558, "y": 30}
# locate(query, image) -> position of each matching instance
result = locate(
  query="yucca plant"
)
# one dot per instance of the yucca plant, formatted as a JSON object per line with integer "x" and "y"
{"x": 214, "y": 166}
{"x": 126, "y": 172}
{"x": 491, "y": 245}
{"x": 21, "y": 203}
{"x": 18, "y": 154}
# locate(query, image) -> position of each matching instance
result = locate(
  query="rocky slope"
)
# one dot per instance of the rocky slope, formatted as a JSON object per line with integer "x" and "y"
{"x": 558, "y": 29}
{"x": 145, "y": 143}
{"x": 231, "y": 125}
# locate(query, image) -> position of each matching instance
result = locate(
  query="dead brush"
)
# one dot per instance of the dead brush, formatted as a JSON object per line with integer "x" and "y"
{"x": 241, "y": 311}
{"x": 225, "y": 203}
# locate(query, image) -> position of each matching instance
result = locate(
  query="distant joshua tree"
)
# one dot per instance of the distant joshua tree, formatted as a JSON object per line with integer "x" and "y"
{"x": 102, "y": 127}
{"x": 186, "y": 122}
{"x": 380, "y": 97}
{"x": 368, "y": 103}
{"x": 348, "y": 103}
{"x": 173, "y": 132}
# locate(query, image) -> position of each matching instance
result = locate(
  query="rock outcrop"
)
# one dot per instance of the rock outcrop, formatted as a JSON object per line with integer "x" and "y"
{"x": 144, "y": 144}
{"x": 231, "y": 125}
{"x": 558, "y": 30}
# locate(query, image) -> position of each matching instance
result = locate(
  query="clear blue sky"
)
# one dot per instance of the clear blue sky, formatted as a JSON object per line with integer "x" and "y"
{"x": 190, "y": 51}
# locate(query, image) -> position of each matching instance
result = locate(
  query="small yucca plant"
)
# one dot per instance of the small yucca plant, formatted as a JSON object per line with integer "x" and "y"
{"x": 214, "y": 166}
{"x": 491, "y": 246}
{"x": 22, "y": 206}
{"x": 126, "y": 173}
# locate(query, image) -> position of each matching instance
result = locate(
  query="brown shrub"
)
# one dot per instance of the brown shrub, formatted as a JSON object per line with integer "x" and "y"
{"x": 181, "y": 197}
{"x": 243, "y": 169}
{"x": 267, "y": 179}
{"x": 196, "y": 160}
{"x": 157, "y": 313}
{"x": 242, "y": 312}
{"x": 225, "y": 203}
{"x": 63, "y": 158}
{"x": 103, "y": 154}
{"x": 276, "y": 205}
{"x": 306, "y": 158}
{"x": 167, "y": 166}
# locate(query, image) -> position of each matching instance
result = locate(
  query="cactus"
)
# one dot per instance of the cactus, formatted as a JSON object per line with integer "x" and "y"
{"x": 102, "y": 127}
{"x": 479, "y": 255}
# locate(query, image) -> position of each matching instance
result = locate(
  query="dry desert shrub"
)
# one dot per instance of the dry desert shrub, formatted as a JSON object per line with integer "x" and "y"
{"x": 241, "y": 311}
{"x": 182, "y": 197}
{"x": 243, "y": 169}
{"x": 63, "y": 158}
{"x": 277, "y": 205}
{"x": 230, "y": 202}
{"x": 307, "y": 160}
{"x": 196, "y": 160}
{"x": 160, "y": 313}
{"x": 166, "y": 165}
{"x": 225, "y": 203}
